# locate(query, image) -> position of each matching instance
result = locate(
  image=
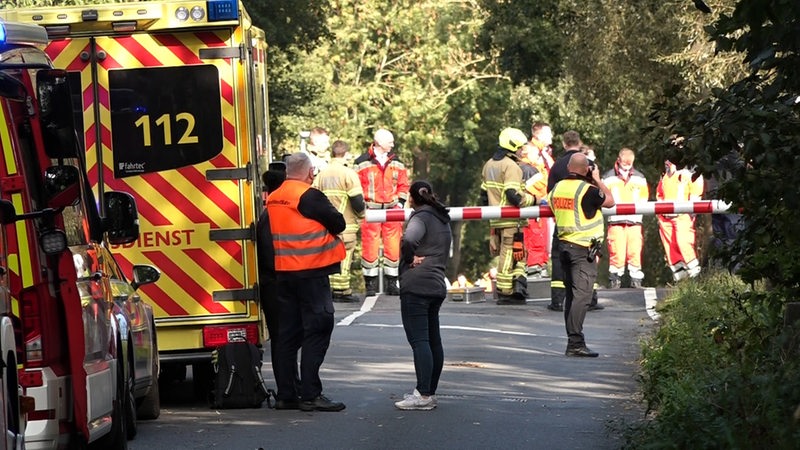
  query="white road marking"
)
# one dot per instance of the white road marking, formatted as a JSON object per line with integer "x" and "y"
{"x": 455, "y": 327}
{"x": 650, "y": 300}
{"x": 369, "y": 302}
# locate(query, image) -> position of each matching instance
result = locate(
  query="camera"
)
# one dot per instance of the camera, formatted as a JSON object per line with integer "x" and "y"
{"x": 595, "y": 250}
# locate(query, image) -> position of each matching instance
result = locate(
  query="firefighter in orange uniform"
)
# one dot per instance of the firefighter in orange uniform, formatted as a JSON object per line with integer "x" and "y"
{"x": 677, "y": 230}
{"x": 624, "y": 234}
{"x": 537, "y": 231}
{"x": 384, "y": 180}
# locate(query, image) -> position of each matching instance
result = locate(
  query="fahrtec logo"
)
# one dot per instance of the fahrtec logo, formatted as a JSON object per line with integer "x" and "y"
{"x": 131, "y": 167}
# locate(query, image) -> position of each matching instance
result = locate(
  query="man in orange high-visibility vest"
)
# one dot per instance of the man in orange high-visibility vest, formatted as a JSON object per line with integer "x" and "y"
{"x": 305, "y": 228}
{"x": 624, "y": 234}
{"x": 677, "y": 230}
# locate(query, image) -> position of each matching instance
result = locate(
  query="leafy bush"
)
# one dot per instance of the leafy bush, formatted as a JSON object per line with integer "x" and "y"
{"x": 721, "y": 371}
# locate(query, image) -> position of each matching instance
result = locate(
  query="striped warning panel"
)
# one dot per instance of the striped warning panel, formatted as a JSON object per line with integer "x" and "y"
{"x": 179, "y": 207}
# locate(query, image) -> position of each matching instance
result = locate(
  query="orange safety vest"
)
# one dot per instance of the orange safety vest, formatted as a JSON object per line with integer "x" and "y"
{"x": 300, "y": 243}
{"x": 383, "y": 186}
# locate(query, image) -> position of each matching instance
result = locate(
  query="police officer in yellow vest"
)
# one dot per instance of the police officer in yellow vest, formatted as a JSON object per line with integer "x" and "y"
{"x": 305, "y": 228}
{"x": 576, "y": 202}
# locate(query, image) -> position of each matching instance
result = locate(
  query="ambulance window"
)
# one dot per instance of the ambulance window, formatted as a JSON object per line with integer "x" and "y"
{"x": 164, "y": 117}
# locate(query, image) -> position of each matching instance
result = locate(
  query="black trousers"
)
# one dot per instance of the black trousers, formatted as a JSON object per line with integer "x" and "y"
{"x": 557, "y": 290}
{"x": 579, "y": 277}
{"x": 421, "y": 323}
{"x": 268, "y": 290}
{"x": 305, "y": 321}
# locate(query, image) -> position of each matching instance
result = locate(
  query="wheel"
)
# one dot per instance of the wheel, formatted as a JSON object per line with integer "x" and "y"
{"x": 130, "y": 401}
{"x": 117, "y": 438}
{"x": 150, "y": 406}
{"x": 202, "y": 378}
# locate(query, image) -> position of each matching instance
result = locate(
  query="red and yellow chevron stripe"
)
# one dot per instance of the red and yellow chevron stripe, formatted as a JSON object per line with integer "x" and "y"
{"x": 177, "y": 208}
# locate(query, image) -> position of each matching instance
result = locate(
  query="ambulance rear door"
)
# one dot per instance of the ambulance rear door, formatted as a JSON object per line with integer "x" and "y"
{"x": 164, "y": 118}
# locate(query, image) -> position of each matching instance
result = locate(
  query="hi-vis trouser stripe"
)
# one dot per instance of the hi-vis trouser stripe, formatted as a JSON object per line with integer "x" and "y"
{"x": 19, "y": 264}
{"x": 177, "y": 208}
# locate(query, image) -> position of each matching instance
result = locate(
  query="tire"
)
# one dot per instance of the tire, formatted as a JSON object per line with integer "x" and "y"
{"x": 117, "y": 438}
{"x": 202, "y": 380}
{"x": 131, "y": 427}
{"x": 150, "y": 406}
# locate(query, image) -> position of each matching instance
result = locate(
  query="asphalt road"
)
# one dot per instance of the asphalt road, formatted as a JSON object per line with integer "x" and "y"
{"x": 506, "y": 384}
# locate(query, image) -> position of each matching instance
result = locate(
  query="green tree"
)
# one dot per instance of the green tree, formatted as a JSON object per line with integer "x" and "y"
{"x": 288, "y": 23}
{"x": 753, "y": 121}
{"x": 410, "y": 67}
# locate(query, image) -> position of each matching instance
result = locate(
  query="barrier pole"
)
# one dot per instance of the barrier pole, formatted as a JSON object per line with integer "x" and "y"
{"x": 512, "y": 212}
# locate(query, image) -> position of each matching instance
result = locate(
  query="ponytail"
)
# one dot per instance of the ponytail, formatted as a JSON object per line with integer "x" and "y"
{"x": 422, "y": 193}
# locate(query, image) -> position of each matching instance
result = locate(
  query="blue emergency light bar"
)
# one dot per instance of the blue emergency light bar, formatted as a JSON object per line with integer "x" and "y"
{"x": 18, "y": 33}
{"x": 219, "y": 10}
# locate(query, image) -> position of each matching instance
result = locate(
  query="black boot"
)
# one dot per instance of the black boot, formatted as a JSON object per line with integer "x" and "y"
{"x": 392, "y": 286}
{"x": 557, "y": 299}
{"x": 520, "y": 288}
{"x": 371, "y": 286}
{"x": 594, "y": 306}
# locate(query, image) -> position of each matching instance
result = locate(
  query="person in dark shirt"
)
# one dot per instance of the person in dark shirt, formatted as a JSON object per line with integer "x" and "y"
{"x": 572, "y": 145}
{"x": 424, "y": 251}
{"x": 576, "y": 204}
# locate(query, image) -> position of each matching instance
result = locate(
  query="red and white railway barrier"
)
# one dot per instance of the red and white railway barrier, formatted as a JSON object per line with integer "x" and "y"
{"x": 511, "y": 212}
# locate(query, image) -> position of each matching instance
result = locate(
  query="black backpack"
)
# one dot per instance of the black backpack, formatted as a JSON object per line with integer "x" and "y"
{"x": 238, "y": 382}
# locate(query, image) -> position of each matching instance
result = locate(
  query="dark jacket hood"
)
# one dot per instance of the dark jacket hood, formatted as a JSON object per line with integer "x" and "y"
{"x": 444, "y": 218}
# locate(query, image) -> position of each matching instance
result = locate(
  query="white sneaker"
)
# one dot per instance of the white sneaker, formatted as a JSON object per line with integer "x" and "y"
{"x": 415, "y": 401}
{"x": 433, "y": 397}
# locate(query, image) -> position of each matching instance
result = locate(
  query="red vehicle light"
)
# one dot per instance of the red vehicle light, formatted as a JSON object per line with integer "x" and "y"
{"x": 30, "y": 378}
{"x": 217, "y": 335}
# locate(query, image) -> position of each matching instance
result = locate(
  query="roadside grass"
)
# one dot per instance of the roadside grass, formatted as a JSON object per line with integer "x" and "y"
{"x": 721, "y": 370}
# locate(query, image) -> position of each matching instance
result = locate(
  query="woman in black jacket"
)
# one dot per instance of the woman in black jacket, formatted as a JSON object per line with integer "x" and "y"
{"x": 423, "y": 256}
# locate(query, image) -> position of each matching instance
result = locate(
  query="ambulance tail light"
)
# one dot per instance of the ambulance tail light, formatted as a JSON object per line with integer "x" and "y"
{"x": 217, "y": 335}
{"x": 31, "y": 329}
{"x": 219, "y": 10}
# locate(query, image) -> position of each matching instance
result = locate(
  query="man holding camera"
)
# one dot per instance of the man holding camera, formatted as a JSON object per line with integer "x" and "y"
{"x": 576, "y": 202}
{"x": 572, "y": 143}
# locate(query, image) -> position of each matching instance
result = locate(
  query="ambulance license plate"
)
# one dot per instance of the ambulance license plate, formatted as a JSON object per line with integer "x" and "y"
{"x": 237, "y": 334}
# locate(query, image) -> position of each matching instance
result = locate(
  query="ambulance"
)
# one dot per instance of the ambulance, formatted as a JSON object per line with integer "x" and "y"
{"x": 171, "y": 100}
{"x": 79, "y": 354}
